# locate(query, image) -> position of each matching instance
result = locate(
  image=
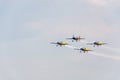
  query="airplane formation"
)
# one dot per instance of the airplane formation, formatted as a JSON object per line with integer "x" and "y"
{"x": 78, "y": 38}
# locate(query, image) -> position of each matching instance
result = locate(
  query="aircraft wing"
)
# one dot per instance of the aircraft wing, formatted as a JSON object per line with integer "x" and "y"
{"x": 90, "y": 43}
{"x": 76, "y": 49}
{"x": 69, "y": 38}
{"x": 82, "y": 38}
{"x": 53, "y": 43}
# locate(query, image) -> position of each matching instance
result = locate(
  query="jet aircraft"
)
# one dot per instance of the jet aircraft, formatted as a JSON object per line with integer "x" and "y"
{"x": 61, "y": 43}
{"x": 97, "y": 43}
{"x": 78, "y": 38}
{"x": 84, "y": 49}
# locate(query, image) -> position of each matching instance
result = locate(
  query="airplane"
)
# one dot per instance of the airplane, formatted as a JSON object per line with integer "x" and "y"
{"x": 97, "y": 43}
{"x": 78, "y": 38}
{"x": 84, "y": 49}
{"x": 61, "y": 43}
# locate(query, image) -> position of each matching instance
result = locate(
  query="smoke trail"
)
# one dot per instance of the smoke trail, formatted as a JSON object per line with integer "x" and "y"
{"x": 110, "y": 48}
{"x": 106, "y": 56}
{"x": 97, "y": 54}
{"x": 69, "y": 46}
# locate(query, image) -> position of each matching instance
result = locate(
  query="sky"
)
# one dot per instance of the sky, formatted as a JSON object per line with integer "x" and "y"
{"x": 28, "y": 26}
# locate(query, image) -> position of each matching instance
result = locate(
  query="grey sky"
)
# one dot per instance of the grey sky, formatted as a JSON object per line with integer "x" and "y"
{"x": 28, "y": 26}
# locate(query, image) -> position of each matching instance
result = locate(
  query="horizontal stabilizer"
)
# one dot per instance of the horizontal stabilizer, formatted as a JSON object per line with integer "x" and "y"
{"x": 76, "y": 49}
{"x": 53, "y": 43}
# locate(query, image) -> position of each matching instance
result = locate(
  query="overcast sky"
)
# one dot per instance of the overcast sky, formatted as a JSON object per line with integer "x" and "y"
{"x": 28, "y": 26}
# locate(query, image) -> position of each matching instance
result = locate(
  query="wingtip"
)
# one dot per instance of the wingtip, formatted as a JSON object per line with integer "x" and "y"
{"x": 52, "y": 43}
